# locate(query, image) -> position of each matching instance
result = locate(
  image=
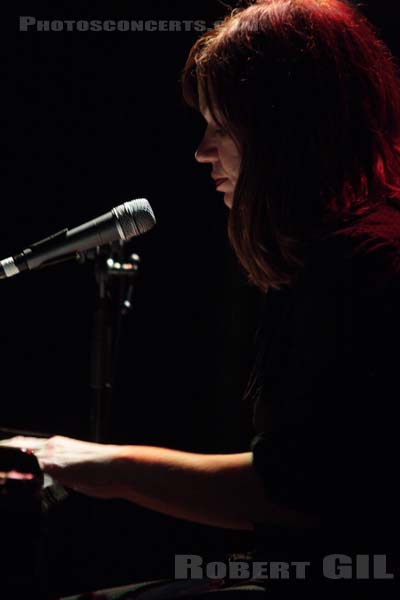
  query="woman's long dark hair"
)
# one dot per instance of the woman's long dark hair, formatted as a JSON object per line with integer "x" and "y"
{"x": 313, "y": 97}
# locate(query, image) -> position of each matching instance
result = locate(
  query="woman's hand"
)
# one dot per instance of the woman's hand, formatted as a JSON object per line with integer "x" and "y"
{"x": 83, "y": 466}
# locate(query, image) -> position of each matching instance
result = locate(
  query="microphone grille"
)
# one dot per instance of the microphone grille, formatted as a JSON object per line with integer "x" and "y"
{"x": 134, "y": 217}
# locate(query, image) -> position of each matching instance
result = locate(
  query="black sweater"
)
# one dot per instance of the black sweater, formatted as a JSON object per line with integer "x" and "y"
{"x": 327, "y": 393}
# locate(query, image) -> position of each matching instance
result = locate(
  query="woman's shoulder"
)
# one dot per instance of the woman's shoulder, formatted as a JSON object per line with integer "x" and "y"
{"x": 379, "y": 226}
{"x": 364, "y": 251}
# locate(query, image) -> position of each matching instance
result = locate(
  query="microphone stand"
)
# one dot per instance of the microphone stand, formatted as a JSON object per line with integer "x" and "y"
{"x": 105, "y": 342}
{"x": 108, "y": 271}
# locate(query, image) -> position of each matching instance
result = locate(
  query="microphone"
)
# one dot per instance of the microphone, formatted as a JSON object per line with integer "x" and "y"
{"x": 121, "y": 223}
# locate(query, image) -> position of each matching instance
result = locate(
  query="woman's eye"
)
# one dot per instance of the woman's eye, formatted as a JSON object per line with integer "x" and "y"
{"x": 219, "y": 132}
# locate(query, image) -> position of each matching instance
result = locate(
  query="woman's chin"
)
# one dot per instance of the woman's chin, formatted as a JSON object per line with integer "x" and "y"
{"x": 228, "y": 199}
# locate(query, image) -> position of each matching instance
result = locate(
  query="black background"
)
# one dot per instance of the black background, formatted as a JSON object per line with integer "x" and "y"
{"x": 92, "y": 120}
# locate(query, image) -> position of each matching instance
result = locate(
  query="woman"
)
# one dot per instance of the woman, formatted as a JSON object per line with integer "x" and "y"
{"x": 302, "y": 110}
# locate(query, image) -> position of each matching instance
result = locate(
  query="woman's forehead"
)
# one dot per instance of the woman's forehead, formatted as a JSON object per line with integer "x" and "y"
{"x": 210, "y": 113}
{"x": 203, "y": 104}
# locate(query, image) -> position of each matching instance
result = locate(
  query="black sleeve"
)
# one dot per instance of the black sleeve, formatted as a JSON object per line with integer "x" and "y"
{"x": 326, "y": 423}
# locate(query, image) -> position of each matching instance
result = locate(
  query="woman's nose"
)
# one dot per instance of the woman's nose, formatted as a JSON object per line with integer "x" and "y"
{"x": 206, "y": 151}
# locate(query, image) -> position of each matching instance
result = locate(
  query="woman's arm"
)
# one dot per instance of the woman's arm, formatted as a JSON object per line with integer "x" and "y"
{"x": 215, "y": 489}
{"x": 222, "y": 490}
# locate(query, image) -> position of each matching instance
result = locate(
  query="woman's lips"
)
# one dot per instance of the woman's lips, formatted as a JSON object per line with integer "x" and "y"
{"x": 218, "y": 182}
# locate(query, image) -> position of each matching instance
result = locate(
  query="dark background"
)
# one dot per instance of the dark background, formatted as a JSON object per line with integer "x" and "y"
{"x": 92, "y": 120}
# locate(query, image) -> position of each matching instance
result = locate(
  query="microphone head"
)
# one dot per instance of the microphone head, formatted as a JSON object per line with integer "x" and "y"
{"x": 134, "y": 217}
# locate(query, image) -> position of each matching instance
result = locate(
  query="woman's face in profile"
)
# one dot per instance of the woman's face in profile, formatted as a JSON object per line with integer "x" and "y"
{"x": 220, "y": 150}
